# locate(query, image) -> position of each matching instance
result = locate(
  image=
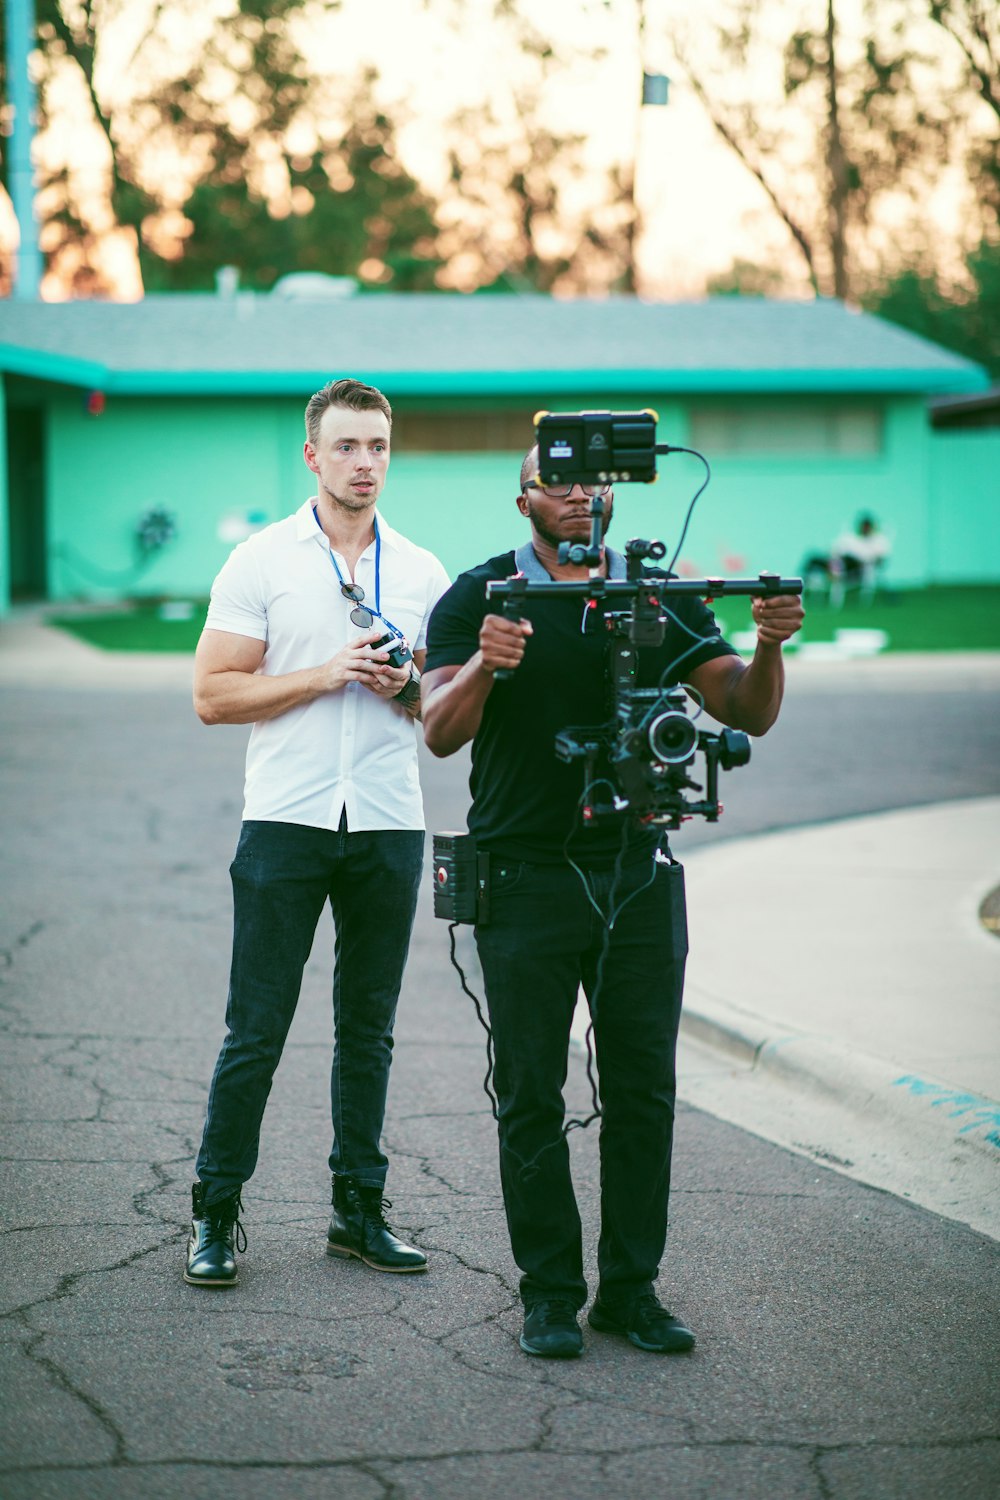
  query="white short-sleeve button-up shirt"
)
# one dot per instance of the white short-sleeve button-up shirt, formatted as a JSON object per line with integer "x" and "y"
{"x": 347, "y": 749}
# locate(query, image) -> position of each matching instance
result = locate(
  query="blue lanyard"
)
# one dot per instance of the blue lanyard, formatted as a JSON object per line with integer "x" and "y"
{"x": 377, "y": 611}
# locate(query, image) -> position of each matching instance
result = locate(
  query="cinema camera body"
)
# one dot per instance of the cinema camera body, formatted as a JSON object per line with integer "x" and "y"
{"x": 637, "y": 764}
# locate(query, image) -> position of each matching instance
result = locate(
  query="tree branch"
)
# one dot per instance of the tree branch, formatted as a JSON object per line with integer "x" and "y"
{"x": 82, "y": 53}
{"x": 986, "y": 76}
{"x": 732, "y": 140}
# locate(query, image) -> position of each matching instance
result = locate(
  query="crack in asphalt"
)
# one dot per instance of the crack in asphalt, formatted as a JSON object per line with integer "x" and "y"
{"x": 66, "y": 1285}
{"x": 74, "y": 1072}
{"x": 79, "y": 1224}
{"x": 7, "y": 955}
{"x": 816, "y": 1470}
{"x": 31, "y": 1346}
{"x": 448, "y": 1114}
{"x": 563, "y": 1394}
{"x": 426, "y": 1170}
{"x": 11, "y": 1013}
{"x": 557, "y": 1408}
{"x": 721, "y": 1192}
{"x": 72, "y": 1059}
{"x": 62, "y": 1380}
{"x": 369, "y": 1464}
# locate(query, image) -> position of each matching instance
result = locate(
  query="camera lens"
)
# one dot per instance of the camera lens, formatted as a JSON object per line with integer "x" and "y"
{"x": 672, "y": 738}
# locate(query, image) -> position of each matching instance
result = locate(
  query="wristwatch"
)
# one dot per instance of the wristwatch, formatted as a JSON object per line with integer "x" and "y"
{"x": 409, "y": 693}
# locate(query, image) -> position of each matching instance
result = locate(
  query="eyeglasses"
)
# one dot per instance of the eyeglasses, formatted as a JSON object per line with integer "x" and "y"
{"x": 563, "y": 491}
{"x": 360, "y": 616}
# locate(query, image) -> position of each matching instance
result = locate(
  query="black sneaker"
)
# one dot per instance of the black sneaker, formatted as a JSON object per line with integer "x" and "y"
{"x": 551, "y": 1330}
{"x": 645, "y": 1323}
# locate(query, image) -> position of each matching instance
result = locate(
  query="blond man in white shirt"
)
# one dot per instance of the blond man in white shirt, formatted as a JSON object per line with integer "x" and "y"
{"x": 315, "y": 635}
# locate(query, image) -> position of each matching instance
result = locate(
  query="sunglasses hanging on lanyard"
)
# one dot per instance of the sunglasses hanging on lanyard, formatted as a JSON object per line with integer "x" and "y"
{"x": 361, "y": 615}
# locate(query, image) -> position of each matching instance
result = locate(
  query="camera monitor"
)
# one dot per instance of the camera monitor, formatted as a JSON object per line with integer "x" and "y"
{"x": 596, "y": 447}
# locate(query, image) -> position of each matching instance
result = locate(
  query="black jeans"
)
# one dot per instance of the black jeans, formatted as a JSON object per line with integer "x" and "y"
{"x": 543, "y": 941}
{"x": 283, "y": 874}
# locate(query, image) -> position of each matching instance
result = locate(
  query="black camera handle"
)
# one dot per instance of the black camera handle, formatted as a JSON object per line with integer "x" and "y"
{"x": 513, "y": 592}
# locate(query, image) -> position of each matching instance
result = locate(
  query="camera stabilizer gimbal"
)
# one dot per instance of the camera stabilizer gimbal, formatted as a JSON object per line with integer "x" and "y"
{"x": 637, "y": 762}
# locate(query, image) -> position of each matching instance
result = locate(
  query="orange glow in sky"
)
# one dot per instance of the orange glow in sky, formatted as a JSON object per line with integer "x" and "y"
{"x": 701, "y": 209}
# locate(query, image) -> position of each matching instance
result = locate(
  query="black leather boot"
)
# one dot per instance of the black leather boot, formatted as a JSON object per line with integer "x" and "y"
{"x": 358, "y": 1228}
{"x": 216, "y": 1232}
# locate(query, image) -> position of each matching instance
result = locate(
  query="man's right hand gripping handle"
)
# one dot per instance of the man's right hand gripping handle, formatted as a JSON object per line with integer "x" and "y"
{"x": 501, "y": 644}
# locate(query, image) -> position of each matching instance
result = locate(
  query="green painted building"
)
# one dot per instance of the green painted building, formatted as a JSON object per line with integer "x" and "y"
{"x": 192, "y": 405}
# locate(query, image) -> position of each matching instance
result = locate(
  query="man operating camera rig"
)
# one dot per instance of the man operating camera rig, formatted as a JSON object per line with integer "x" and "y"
{"x": 571, "y": 904}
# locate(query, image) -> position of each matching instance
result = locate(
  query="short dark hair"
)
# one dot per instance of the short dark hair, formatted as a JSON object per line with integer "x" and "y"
{"x": 529, "y": 467}
{"x": 350, "y": 393}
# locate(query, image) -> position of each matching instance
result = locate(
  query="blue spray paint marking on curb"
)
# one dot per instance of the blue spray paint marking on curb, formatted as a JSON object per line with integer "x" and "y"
{"x": 985, "y": 1113}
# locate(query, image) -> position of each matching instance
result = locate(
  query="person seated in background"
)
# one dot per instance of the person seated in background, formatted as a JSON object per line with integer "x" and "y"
{"x": 854, "y": 562}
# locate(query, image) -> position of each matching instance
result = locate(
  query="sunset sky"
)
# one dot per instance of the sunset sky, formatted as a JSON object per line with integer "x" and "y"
{"x": 702, "y": 209}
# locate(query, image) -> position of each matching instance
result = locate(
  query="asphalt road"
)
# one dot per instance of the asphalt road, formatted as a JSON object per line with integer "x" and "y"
{"x": 848, "y": 1341}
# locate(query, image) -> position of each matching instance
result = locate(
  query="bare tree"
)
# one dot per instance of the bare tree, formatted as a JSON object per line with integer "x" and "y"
{"x": 520, "y": 210}
{"x": 882, "y": 122}
{"x": 280, "y": 168}
{"x": 245, "y": 54}
{"x": 974, "y": 27}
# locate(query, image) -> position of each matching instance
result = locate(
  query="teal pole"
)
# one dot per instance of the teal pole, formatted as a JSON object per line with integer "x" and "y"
{"x": 21, "y": 97}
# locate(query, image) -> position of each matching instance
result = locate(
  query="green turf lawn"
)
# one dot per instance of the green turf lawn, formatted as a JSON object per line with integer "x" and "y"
{"x": 135, "y": 627}
{"x": 946, "y": 618}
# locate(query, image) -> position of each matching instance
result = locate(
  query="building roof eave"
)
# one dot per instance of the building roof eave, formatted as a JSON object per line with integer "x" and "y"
{"x": 59, "y": 369}
{"x": 948, "y": 410}
{"x": 529, "y": 382}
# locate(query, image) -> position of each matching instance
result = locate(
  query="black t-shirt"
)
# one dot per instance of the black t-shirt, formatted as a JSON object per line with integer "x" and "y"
{"x": 525, "y": 801}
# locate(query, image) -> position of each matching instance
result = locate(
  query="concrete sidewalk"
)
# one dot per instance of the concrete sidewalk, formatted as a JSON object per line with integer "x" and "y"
{"x": 33, "y": 654}
{"x": 872, "y": 1041}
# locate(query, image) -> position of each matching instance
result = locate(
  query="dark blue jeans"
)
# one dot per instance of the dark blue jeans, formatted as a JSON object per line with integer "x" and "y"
{"x": 283, "y": 874}
{"x": 543, "y": 941}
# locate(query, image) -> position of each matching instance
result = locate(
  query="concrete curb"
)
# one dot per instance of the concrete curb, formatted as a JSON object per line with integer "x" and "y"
{"x": 35, "y": 654}
{"x": 867, "y": 1086}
